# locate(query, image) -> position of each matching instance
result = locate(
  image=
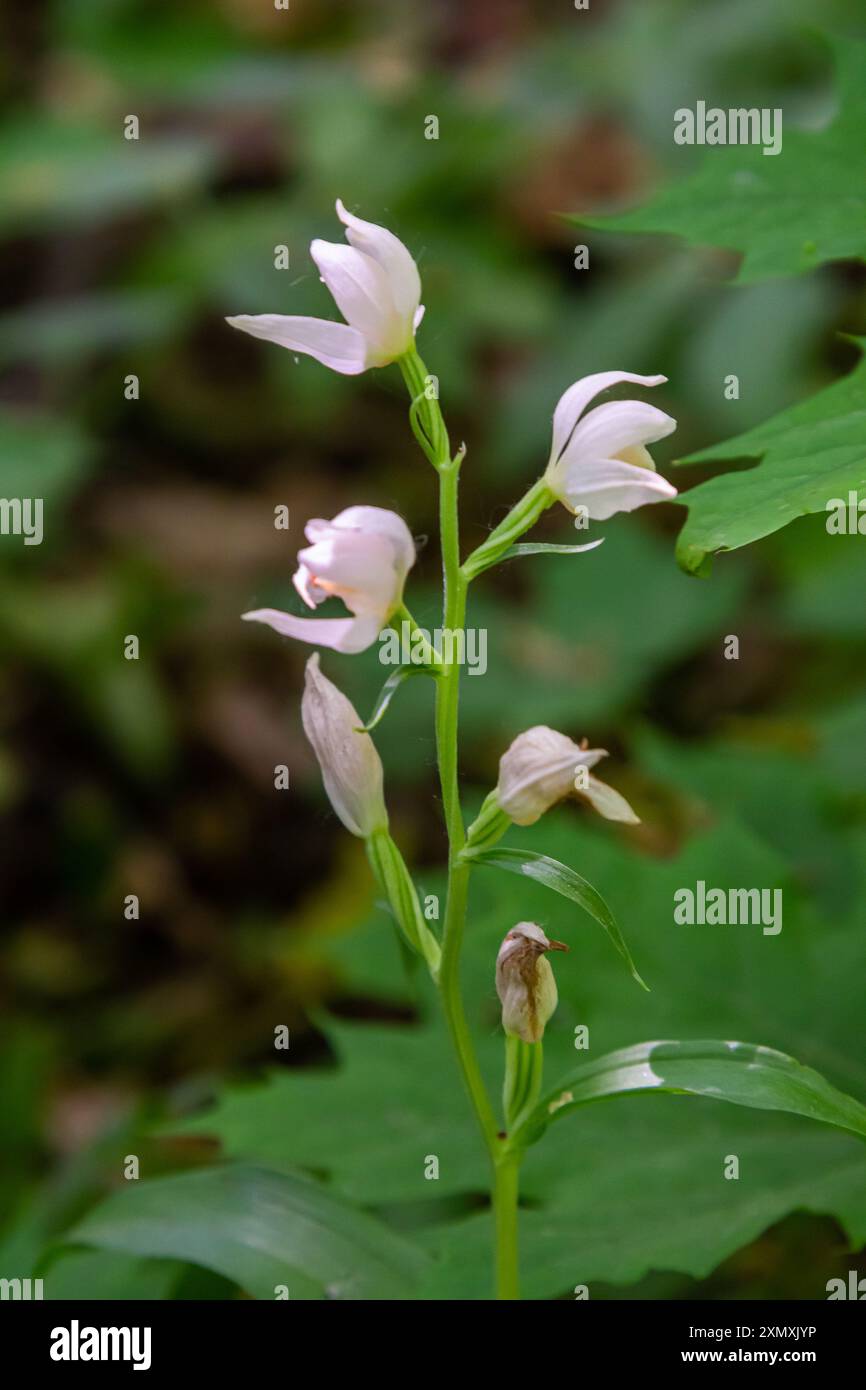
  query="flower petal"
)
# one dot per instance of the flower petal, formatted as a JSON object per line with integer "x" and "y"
{"x": 359, "y": 566}
{"x": 338, "y": 346}
{"x": 341, "y": 634}
{"x": 608, "y": 802}
{"x": 607, "y": 486}
{"x": 607, "y": 429}
{"x": 388, "y": 250}
{"x": 304, "y": 582}
{"x": 575, "y": 400}
{"x": 382, "y": 522}
{"x": 361, "y": 291}
{"x": 537, "y": 770}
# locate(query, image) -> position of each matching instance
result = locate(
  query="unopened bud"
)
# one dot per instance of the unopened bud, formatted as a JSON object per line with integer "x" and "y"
{"x": 351, "y": 767}
{"x": 525, "y": 982}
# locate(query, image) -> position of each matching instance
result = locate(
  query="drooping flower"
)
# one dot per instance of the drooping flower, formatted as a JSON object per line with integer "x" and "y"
{"x": 377, "y": 288}
{"x": 362, "y": 557}
{"x": 542, "y": 766}
{"x": 599, "y": 463}
{"x": 525, "y": 982}
{"x": 351, "y": 767}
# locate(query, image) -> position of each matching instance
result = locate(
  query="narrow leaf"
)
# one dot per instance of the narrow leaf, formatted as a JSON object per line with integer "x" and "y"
{"x": 260, "y": 1228}
{"x": 740, "y": 1073}
{"x": 541, "y": 548}
{"x": 562, "y": 880}
{"x": 389, "y": 690}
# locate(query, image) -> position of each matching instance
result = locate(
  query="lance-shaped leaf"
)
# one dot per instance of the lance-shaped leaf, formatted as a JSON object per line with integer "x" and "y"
{"x": 563, "y": 880}
{"x": 812, "y": 454}
{"x": 389, "y": 690}
{"x": 542, "y": 548}
{"x": 741, "y": 1073}
{"x": 261, "y": 1229}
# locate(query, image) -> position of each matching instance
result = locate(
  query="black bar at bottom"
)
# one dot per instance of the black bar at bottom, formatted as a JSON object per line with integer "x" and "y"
{"x": 80, "y": 1338}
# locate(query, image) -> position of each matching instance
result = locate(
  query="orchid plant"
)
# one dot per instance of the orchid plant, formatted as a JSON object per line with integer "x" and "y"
{"x": 599, "y": 465}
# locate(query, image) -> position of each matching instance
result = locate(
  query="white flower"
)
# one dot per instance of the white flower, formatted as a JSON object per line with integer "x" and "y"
{"x": 525, "y": 982}
{"x": 351, "y": 767}
{"x": 362, "y": 557}
{"x": 543, "y": 766}
{"x": 599, "y": 463}
{"x": 376, "y": 285}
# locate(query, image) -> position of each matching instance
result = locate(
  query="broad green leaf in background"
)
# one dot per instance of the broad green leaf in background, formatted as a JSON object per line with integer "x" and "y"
{"x": 259, "y": 1228}
{"x": 737, "y": 1072}
{"x": 104, "y": 1274}
{"x": 639, "y": 1186}
{"x": 620, "y": 1190}
{"x": 811, "y": 454}
{"x": 787, "y": 213}
{"x": 731, "y": 776}
{"x": 561, "y": 879}
{"x": 395, "y": 1090}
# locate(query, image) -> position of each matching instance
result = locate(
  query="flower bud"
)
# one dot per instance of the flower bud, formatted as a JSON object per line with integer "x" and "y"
{"x": 351, "y": 767}
{"x": 525, "y": 982}
{"x": 543, "y": 766}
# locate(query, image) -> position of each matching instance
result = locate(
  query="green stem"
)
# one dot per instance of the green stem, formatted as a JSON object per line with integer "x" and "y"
{"x": 429, "y": 428}
{"x": 447, "y": 702}
{"x": 522, "y": 516}
{"x": 505, "y": 1188}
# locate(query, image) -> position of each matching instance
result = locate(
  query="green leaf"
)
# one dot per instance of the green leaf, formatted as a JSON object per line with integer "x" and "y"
{"x": 811, "y": 453}
{"x": 540, "y": 548}
{"x": 741, "y": 1073}
{"x": 788, "y": 212}
{"x": 392, "y": 1086}
{"x": 644, "y": 1191}
{"x": 637, "y": 1186}
{"x": 109, "y": 1274}
{"x": 259, "y": 1228}
{"x": 389, "y": 690}
{"x": 562, "y": 880}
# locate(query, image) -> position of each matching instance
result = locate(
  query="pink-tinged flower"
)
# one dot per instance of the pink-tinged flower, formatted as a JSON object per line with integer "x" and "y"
{"x": 599, "y": 464}
{"x": 362, "y": 557}
{"x": 351, "y": 767}
{"x": 543, "y": 766}
{"x": 525, "y": 982}
{"x": 377, "y": 288}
